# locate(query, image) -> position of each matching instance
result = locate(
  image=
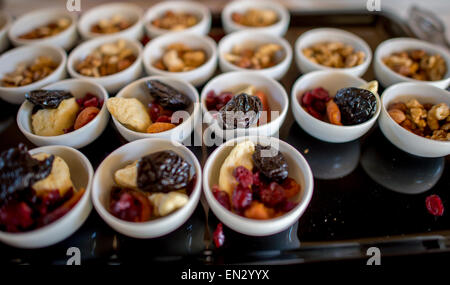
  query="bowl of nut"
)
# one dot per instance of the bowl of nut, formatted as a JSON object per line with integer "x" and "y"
{"x": 121, "y": 19}
{"x": 30, "y": 67}
{"x": 53, "y": 26}
{"x": 242, "y": 103}
{"x": 109, "y": 61}
{"x": 412, "y": 60}
{"x": 334, "y": 106}
{"x": 256, "y": 51}
{"x": 5, "y": 23}
{"x": 415, "y": 117}
{"x": 147, "y": 188}
{"x": 69, "y": 112}
{"x": 44, "y": 195}
{"x": 176, "y": 16}
{"x": 181, "y": 55}
{"x": 257, "y": 185}
{"x": 332, "y": 49}
{"x": 156, "y": 107}
{"x": 265, "y": 16}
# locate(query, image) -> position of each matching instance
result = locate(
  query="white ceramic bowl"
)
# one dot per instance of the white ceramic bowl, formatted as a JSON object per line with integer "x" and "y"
{"x": 278, "y": 29}
{"x": 387, "y": 76}
{"x": 154, "y": 50}
{"x": 298, "y": 170}
{"x": 400, "y": 137}
{"x": 113, "y": 82}
{"x": 138, "y": 90}
{"x": 78, "y": 138}
{"x": 5, "y": 23}
{"x": 66, "y": 39}
{"x": 236, "y": 80}
{"x": 27, "y": 54}
{"x": 321, "y": 35}
{"x": 81, "y": 173}
{"x": 129, "y": 11}
{"x": 331, "y": 81}
{"x": 199, "y": 10}
{"x": 104, "y": 181}
{"x": 255, "y": 39}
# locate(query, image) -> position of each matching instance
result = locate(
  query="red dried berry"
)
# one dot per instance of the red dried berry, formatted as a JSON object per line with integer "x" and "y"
{"x": 222, "y": 197}
{"x": 313, "y": 112}
{"x": 219, "y": 236}
{"x": 286, "y": 206}
{"x": 256, "y": 179}
{"x": 242, "y": 197}
{"x": 164, "y": 119}
{"x": 154, "y": 110}
{"x": 320, "y": 94}
{"x": 319, "y": 106}
{"x": 307, "y": 98}
{"x": 434, "y": 205}
{"x": 272, "y": 195}
{"x": 16, "y": 216}
{"x": 243, "y": 176}
{"x": 93, "y": 102}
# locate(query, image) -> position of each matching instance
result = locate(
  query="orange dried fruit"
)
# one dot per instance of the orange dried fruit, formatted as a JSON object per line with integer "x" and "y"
{"x": 258, "y": 211}
{"x": 85, "y": 116}
{"x": 159, "y": 127}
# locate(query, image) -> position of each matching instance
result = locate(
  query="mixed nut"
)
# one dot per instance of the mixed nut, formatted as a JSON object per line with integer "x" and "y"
{"x": 334, "y": 54}
{"x": 175, "y": 21}
{"x": 255, "y": 18}
{"x": 48, "y": 30}
{"x": 263, "y": 56}
{"x": 178, "y": 57}
{"x": 111, "y": 25}
{"x": 28, "y": 73}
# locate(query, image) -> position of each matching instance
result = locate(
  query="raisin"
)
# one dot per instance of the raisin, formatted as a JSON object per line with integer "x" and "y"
{"x": 218, "y": 236}
{"x": 243, "y": 176}
{"x": 356, "y": 105}
{"x": 272, "y": 165}
{"x": 162, "y": 171}
{"x": 241, "y": 111}
{"x": 167, "y": 96}
{"x": 48, "y": 99}
{"x": 434, "y": 205}
{"x": 242, "y": 197}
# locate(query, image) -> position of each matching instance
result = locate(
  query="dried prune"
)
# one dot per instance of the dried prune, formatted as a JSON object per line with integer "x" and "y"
{"x": 272, "y": 163}
{"x": 167, "y": 96}
{"x": 48, "y": 99}
{"x": 162, "y": 171}
{"x": 241, "y": 111}
{"x": 356, "y": 105}
{"x": 19, "y": 171}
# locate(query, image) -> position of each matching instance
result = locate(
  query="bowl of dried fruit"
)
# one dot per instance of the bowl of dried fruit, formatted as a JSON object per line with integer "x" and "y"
{"x": 44, "y": 194}
{"x": 241, "y": 103}
{"x": 255, "y": 51}
{"x": 53, "y": 26}
{"x": 109, "y": 61}
{"x": 147, "y": 188}
{"x": 121, "y": 19}
{"x": 334, "y": 106}
{"x": 5, "y": 23}
{"x": 175, "y": 16}
{"x": 28, "y": 68}
{"x": 181, "y": 55}
{"x": 412, "y": 60}
{"x": 332, "y": 49}
{"x": 265, "y": 16}
{"x": 156, "y": 107}
{"x": 415, "y": 117}
{"x": 257, "y": 185}
{"x": 69, "y": 112}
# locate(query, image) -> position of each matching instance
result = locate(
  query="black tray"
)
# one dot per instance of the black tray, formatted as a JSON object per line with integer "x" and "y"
{"x": 349, "y": 211}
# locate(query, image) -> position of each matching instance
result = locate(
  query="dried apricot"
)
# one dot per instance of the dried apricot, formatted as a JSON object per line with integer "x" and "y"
{"x": 85, "y": 116}
{"x": 258, "y": 211}
{"x": 160, "y": 127}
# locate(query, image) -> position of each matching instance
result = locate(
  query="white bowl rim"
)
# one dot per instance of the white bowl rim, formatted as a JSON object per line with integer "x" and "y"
{"x": 81, "y": 81}
{"x": 295, "y": 100}
{"x": 8, "y": 21}
{"x": 62, "y": 219}
{"x": 443, "y": 52}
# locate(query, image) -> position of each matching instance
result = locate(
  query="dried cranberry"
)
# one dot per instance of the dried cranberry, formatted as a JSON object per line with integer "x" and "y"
{"x": 273, "y": 195}
{"x": 257, "y": 179}
{"x": 313, "y": 112}
{"x": 16, "y": 216}
{"x": 154, "y": 110}
{"x": 50, "y": 198}
{"x": 164, "y": 119}
{"x": 307, "y": 98}
{"x": 320, "y": 94}
{"x": 286, "y": 206}
{"x": 242, "y": 197}
{"x": 223, "y": 198}
{"x": 219, "y": 236}
{"x": 319, "y": 106}
{"x": 93, "y": 102}
{"x": 243, "y": 176}
{"x": 130, "y": 205}
{"x": 434, "y": 205}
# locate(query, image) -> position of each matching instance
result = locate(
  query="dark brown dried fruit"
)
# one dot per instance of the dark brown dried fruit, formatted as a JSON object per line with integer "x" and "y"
{"x": 162, "y": 171}
{"x": 167, "y": 96}
{"x": 48, "y": 99}
{"x": 272, "y": 163}
{"x": 356, "y": 105}
{"x": 241, "y": 111}
{"x": 19, "y": 171}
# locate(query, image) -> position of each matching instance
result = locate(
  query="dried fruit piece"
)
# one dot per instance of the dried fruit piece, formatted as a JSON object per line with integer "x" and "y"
{"x": 258, "y": 211}
{"x": 159, "y": 127}
{"x": 167, "y": 96}
{"x": 241, "y": 198}
{"x": 85, "y": 116}
{"x": 270, "y": 162}
{"x": 48, "y": 99}
{"x": 273, "y": 195}
{"x": 16, "y": 217}
{"x": 333, "y": 113}
{"x": 63, "y": 209}
{"x": 356, "y": 105}
{"x": 130, "y": 205}
{"x": 434, "y": 205}
{"x": 222, "y": 197}
{"x": 243, "y": 176}
{"x": 218, "y": 236}
{"x": 291, "y": 187}
{"x": 241, "y": 111}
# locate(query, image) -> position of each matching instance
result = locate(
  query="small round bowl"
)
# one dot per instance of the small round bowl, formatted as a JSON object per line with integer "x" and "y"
{"x": 298, "y": 170}
{"x": 255, "y": 39}
{"x": 127, "y": 10}
{"x": 104, "y": 181}
{"x": 10, "y": 59}
{"x": 321, "y": 35}
{"x": 155, "y": 49}
{"x": 138, "y": 90}
{"x": 5, "y": 23}
{"x": 388, "y": 77}
{"x": 199, "y": 10}
{"x": 66, "y": 39}
{"x": 278, "y": 29}
{"x": 78, "y": 138}
{"x": 402, "y": 138}
{"x": 233, "y": 81}
{"x": 113, "y": 82}
{"x": 332, "y": 81}
{"x": 81, "y": 173}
